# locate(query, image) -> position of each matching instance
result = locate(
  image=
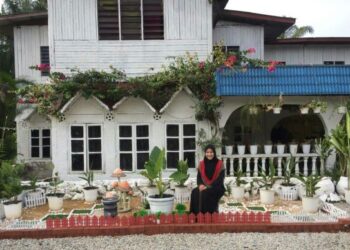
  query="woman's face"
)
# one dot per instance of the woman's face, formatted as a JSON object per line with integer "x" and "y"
{"x": 209, "y": 154}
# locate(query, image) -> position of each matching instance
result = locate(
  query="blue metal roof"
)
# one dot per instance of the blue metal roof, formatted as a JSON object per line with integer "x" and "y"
{"x": 289, "y": 80}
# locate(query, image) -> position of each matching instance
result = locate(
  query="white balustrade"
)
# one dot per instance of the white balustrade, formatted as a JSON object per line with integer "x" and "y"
{"x": 263, "y": 161}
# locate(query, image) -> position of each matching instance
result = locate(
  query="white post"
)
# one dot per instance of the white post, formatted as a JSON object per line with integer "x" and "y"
{"x": 256, "y": 167}
{"x": 297, "y": 166}
{"x": 232, "y": 169}
{"x": 305, "y": 166}
{"x": 314, "y": 165}
{"x": 248, "y": 167}
{"x": 263, "y": 165}
{"x": 240, "y": 163}
{"x": 279, "y": 166}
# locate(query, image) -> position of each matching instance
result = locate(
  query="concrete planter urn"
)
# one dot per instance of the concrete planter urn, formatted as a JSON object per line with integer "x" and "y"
{"x": 229, "y": 150}
{"x": 55, "y": 201}
{"x": 182, "y": 194}
{"x": 341, "y": 110}
{"x": 304, "y": 111}
{"x": 253, "y": 149}
{"x": 293, "y": 148}
{"x": 13, "y": 209}
{"x": 90, "y": 194}
{"x": 238, "y": 193}
{"x": 163, "y": 205}
{"x": 241, "y": 149}
{"x": 277, "y": 110}
{"x": 268, "y": 149}
{"x": 306, "y": 148}
{"x": 267, "y": 197}
{"x": 280, "y": 149}
{"x": 310, "y": 204}
{"x": 317, "y": 110}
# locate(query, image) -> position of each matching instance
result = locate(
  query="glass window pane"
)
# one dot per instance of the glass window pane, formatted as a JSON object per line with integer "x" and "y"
{"x": 77, "y": 146}
{"x": 35, "y": 142}
{"x": 172, "y": 130}
{"x": 94, "y": 131}
{"x": 94, "y": 145}
{"x": 130, "y": 12}
{"x": 35, "y": 133}
{"x": 172, "y": 160}
{"x": 46, "y": 152}
{"x": 189, "y": 130}
{"x": 125, "y": 145}
{"x": 142, "y": 145}
{"x": 77, "y": 162}
{"x": 125, "y": 131}
{"x": 95, "y": 161}
{"x": 172, "y": 144}
{"x": 77, "y": 132}
{"x": 189, "y": 143}
{"x": 141, "y": 159}
{"x": 35, "y": 152}
{"x": 46, "y": 141}
{"x": 46, "y": 132}
{"x": 126, "y": 162}
{"x": 142, "y": 131}
{"x": 191, "y": 159}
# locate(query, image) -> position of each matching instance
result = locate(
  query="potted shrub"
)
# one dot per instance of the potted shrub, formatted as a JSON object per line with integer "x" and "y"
{"x": 293, "y": 148}
{"x": 151, "y": 174}
{"x": 267, "y": 195}
{"x": 90, "y": 192}
{"x": 253, "y": 149}
{"x": 310, "y": 202}
{"x": 55, "y": 199}
{"x": 253, "y": 109}
{"x": 288, "y": 189}
{"x": 241, "y": 149}
{"x": 180, "y": 177}
{"x": 268, "y": 148}
{"x": 323, "y": 148}
{"x": 10, "y": 188}
{"x": 318, "y": 106}
{"x": 280, "y": 148}
{"x": 237, "y": 190}
{"x": 229, "y": 150}
{"x": 160, "y": 202}
{"x": 277, "y": 107}
{"x": 304, "y": 109}
{"x": 341, "y": 109}
{"x": 306, "y": 147}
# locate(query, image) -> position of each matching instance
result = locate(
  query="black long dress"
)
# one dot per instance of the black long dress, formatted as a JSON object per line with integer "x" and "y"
{"x": 207, "y": 201}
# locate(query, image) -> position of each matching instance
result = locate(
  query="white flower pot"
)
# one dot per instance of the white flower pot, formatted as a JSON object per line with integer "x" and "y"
{"x": 152, "y": 190}
{"x": 280, "y": 149}
{"x": 253, "y": 149}
{"x": 289, "y": 193}
{"x": 182, "y": 194}
{"x": 55, "y": 202}
{"x": 229, "y": 150}
{"x": 347, "y": 196}
{"x": 163, "y": 205}
{"x": 13, "y": 211}
{"x": 238, "y": 193}
{"x": 277, "y": 110}
{"x": 2, "y": 211}
{"x": 268, "y": 149}
{"x": 306, "y": 148}
{"x": 342, "y": 185}
{"x": 304, "y": 111}
{"x": 310, "y": 204}
{"x": 317, "y": 110}
{"x": 293, "y": 149}
{"x": 90, "y": 194}
{"x": 341, "y": 110}
{"x": 241, "y": 149}
{"x": 267, "y": 197}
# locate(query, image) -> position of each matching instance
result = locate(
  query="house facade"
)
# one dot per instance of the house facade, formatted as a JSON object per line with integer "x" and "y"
{"x": 138, "y": 37}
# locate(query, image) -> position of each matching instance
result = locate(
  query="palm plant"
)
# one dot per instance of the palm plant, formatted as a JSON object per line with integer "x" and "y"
{"x": 310, "y": 183}
{"x": 54, "y": 184}
{"x": 288, "y": 167}
{"x": 323, "y": 148}
{"x": 267, "y": 180}
{"x": 239, "y": 174}
{"x": 296, "y": 32}
{"x": 89, "y": 178}
{"x": 181, "y": 175}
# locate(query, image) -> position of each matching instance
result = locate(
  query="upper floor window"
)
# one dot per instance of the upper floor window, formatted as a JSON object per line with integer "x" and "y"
{"x": 44, "y": 59}
{"x": 230, "y": 49}
{"x": 333, "y": 62}
{"x": 130, "y": 20}
{"x": 40, "y": 143}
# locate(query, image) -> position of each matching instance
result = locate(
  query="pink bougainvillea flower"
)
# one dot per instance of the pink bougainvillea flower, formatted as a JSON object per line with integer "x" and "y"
{"x": 230, "y": 61}
{"x": 272, "y": 66}
{"x": 44, "y": 67}
{"x": 20, "y": 101}
{"x": 251, "y": 50}
{"x": 62, "y": 77}
{"x": 201, "y": 65}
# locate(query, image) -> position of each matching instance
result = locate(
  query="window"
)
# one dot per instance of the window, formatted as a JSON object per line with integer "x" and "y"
{"x": 130, "y": 19}
{"x": 333, "y": 62}
{"x": 86, "y": 147}
{"x": 40, "y": 142}
{"x": 133, "y": 146}
{"x": 180, "y": 144}
{"x": 230, "y": 49}
{"x": 45, "y": 59}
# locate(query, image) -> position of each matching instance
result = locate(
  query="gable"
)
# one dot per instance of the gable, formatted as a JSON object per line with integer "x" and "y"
{"x": 182, "y": 106}
{"x": 132, "y": 105}
{"x": 82, "y": 106}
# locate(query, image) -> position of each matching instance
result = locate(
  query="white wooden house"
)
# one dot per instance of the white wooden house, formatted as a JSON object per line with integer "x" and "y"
{"x": 98, "y": 33}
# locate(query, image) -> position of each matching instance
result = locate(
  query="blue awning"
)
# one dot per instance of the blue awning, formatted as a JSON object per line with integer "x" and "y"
{"x": 289, "y": 80}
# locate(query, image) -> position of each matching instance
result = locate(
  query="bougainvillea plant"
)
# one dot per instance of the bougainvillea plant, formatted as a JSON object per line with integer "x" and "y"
{"x": 157, "y": 89}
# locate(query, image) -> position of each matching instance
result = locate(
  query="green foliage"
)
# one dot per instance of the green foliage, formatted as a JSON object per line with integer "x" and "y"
{"x": 239, "y": 174}
{"x": 288, "y": 168}
{"x": 141, "y": 213}
{"x": 323, "y": 147}
{"x": 203, "y": 141}
{"x": 55, "y": 182}
{"x": 180, "y": 176}
{"x": 318, "y": 104}
{"x": 296, "y": 32}
{"x": 267, "y": 180}
{"x": 180, "y": 208}
{"x": 228, "y": 189}
{"x": 10, "y": 181}
{"x": 33, "y": 181}
{"x": 310, "y": 183}
{"x": 88, "y": 177}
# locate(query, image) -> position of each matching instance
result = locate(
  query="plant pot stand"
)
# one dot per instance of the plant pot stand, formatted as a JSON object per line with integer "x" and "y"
{"x": 110, "y": 206}
{"x": 182, "y": 194}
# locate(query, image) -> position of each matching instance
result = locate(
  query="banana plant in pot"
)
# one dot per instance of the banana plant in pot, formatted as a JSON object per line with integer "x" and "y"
{"x": 151, "y": 174}
{"x": 289, "y": 190}
{"x": 311, "y": 203}
{"x": 238, "y": 190}
{"x": 55, "y": 198}
{"x": 267, "y": 194}
{"x": 180, "y": 177}
{"x": 160, "y": 202}
{"x": 90, "y": 192}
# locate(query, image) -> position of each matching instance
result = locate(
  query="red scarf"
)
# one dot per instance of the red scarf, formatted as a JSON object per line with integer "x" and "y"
{"x": 205, "y": 179}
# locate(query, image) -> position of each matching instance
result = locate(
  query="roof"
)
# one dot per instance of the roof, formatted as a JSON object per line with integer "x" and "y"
{"x": 24, "y": 112}
{"x": 75, "y": 98}
{"x": 7, "y": 22}
{"x": 185, "y": 89}
{"x": 119, "y": 103}
{"x": 289, "y": 80}
{"x": 273, "y": 25}
{"x": 311, "y": 40}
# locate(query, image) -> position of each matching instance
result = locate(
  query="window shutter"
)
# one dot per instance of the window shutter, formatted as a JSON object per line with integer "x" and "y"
{"x": 130, "y": 19}
{"x": 108, "y": 20}
{"x": 153, "y": 23}
{"x": 44, "y": 59}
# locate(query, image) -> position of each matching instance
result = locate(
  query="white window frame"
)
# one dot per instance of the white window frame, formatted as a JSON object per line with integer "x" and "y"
{"x": 133, "y": 139}
{"x": 86, "y": 151}
{"x": 41, "y": 137}
{"x": 181, "y": 138}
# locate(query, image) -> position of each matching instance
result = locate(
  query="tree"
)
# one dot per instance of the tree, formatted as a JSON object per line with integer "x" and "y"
{"x": 20, "y": 6}
{"x": 296, "y": 32}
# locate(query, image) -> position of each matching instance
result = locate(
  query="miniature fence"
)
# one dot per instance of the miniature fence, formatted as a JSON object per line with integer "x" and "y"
{"x": 302, "y": 218}
{"x": 35, "y": 199}
{"x": 215, "y": 218}
{"x": 334, "y": 211}
{"x": 22, "y": 225}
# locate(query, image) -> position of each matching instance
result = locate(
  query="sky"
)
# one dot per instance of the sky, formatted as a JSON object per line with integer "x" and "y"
{"x": 327, "y": 17}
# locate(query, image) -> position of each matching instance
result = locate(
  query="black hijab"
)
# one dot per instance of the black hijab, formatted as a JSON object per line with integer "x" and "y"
{"x": 210, "y": 164}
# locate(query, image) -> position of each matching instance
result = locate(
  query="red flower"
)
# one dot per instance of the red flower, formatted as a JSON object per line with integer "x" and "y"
{"x": 272, "y": 66}
{"x": 201, "y": 65}
{"x": 20, "y": 101}
{"x": 44, "y": 67}
{"x": 62, "y": 77}
{"x": 230, "y": 61}
{"x": 251, "y": 50}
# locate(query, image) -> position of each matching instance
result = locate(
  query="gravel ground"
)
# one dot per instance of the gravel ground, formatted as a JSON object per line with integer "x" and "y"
{"x": 254, "y": 241}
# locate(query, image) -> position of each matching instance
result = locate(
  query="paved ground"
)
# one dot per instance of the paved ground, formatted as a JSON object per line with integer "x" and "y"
{"x": 254, "y": 241}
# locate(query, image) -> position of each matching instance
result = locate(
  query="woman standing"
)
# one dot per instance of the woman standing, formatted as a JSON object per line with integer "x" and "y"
{"x": 210, "y": 184}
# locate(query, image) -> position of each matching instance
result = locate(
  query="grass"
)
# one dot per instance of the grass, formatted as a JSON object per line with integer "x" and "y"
{"x": 82, "y": 211}
{"x": 235, "y": 204}
{"x": 256, "y": 208}
{"x": 98, "y": 206}
{"x": 279, "y": 212}
{"x": 55, "y": 216}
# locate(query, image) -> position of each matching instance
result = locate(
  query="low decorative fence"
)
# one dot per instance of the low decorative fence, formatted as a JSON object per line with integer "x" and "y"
{"x": 35, "y": 199}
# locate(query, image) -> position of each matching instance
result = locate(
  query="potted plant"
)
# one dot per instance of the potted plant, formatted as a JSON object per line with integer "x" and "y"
{"x": 318, "y": 106}
{"x": 55, "y": 199}
{"x": 267, "y": 195}
{"x": 310, "y": 202}
{"x": 253, "y": 109}
{"x": 151, "y": 174}
{"x": 10, "y": 188}
{"x": 180, "y": 177}
{"x": 341, "y": 109}
{"x": 277, "y": 107}
{"x": 90, "y": 192}
{"x": 306, "y": 147}
{"x": 288, "y": 189}
{"x": 160, "y": 202}
{"x": 280, "y": 148}
{"x": 304, "y": 109}
{"x": 238, "y": 190}
{"x": 340, "y": 139}
{"x": 253, "y": 149}
{"x": 268, "y": 148}
{"x": 323, "y": 148}
{"x": 229, "y": 150}
{"x": 293, "y": 148}
{"x": 241, "y": 149}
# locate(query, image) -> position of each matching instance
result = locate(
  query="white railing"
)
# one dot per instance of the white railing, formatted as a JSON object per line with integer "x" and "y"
{"x": 35, "y": 199}
{"x": 253, "y": 162}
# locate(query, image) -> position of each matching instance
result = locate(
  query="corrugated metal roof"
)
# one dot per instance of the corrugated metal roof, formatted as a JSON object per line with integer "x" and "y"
{"x": 289, "y": 80}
